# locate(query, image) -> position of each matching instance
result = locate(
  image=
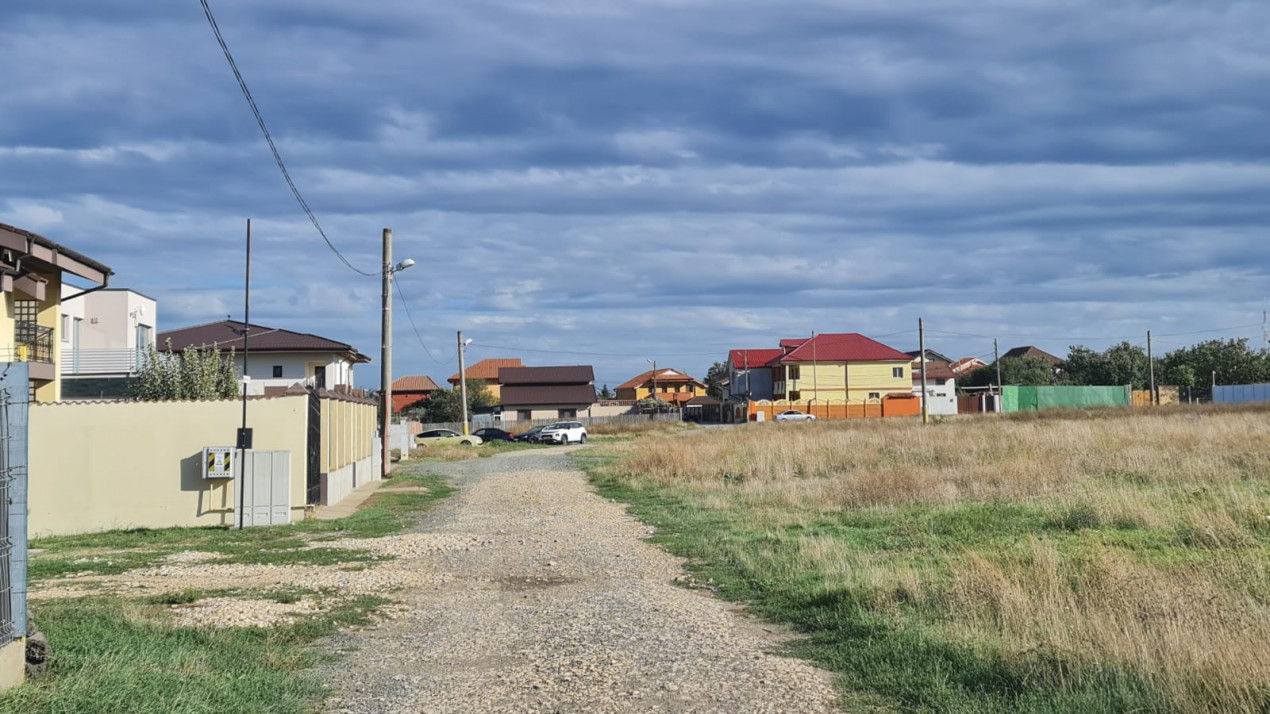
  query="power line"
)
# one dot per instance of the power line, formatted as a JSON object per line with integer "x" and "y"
{"x": 406, "y": 305}
{"x": 592, "y": 354}
{"x": 277, "y": 157}
{"x": 1077, "y": 338}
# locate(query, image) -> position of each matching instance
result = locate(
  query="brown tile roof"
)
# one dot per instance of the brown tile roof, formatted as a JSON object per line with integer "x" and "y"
{"x": 518, "y": 395}
{"x": 573, "y": 374}
{"x": 934, "y": 370}
{"x": 226, "y": 336}
{"x": 486, "y": 369}
{"x": 664, "y": 376}
{"x": 1030, "y": 351}
{"x": 755, "y": 358}
{"x": 420, "y": 383}
{"x": 847, "y": 347}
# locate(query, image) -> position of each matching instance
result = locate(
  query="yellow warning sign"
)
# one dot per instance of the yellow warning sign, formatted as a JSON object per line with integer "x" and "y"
{"x": 218, "y": 462}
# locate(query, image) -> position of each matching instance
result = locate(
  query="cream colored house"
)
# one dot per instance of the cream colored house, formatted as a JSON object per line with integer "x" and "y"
{"x": 32, "y": 272}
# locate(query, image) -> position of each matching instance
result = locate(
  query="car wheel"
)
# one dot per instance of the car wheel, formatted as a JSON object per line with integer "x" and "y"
{"x": 582, "y": 440}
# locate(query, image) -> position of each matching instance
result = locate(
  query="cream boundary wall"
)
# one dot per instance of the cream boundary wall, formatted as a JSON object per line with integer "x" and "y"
{"x": 103, "y": 466}
{"x": 348, "y": 448}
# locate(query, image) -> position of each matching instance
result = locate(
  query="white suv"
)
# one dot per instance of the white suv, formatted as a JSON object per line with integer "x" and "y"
{"x": 564, "y": 432}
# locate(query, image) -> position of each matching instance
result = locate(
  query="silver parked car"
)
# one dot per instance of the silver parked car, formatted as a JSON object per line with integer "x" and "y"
{"x": 794, "y": 415}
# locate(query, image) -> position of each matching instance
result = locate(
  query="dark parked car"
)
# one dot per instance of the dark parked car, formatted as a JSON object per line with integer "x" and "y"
{"x": 491, "y": 434}
{"x": 532, "y": 436}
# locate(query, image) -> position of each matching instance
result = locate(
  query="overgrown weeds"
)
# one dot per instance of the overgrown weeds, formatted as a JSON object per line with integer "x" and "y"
{"x": 1091, "y": 563}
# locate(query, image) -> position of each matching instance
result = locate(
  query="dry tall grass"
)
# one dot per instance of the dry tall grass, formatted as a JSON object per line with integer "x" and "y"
{"x": 1155, "y": 554}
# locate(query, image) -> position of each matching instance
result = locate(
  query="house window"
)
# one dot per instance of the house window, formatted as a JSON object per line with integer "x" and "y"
{"x": 795, "y": 396}
{"x": 875, "y": 395}
{"x": 793, "y": 372}
{"x": 277, "y": 371}
{"x": 66, "y": 328}
{"x": 567, "y": 414}
{"x": 897, "y": 372}
{"x": 524, "y": 415}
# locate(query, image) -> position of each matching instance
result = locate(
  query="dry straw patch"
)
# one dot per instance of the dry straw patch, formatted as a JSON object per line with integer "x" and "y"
{"x": 1147, "y": 544}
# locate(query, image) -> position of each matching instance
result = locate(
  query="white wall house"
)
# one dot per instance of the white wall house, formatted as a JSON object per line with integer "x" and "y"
{"x": 277, "y": 358}
{"x": 104, "y": 334}
{"x": 941, "y": 387}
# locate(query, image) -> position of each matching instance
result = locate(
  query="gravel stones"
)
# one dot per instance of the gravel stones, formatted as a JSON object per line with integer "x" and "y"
{"x": 559, "y": 605}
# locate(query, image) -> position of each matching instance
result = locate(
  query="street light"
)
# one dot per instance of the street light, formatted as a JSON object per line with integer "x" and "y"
{"x": 385, "y": 354}
{"x": 654, "y": 394}
{"x": 463, "y": 377}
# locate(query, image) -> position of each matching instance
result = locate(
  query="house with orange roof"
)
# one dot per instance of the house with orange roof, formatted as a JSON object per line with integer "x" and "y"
{"x": 410, "y": 391}
{"x": 487, "y": 371}
{"x": 669, "y": 385}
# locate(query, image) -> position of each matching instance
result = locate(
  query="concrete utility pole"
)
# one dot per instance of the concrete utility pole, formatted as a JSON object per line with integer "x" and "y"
{"x": 1151, "y": 368}
{"x": 243, "y": 437}
{"x": 385, "y": 350}
{"x": 654, "y": 394}
{"x": 385, "y": 358}
{"x": 921, "y": 345}
{"x": 463, "y": 380}
{"x": 996, "y": 358}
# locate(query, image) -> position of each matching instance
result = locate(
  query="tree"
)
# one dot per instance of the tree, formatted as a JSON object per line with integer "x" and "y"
{"x": 1029, "y": 371}
{"x": 1119, "y": 364}
{"x": 606, "y": 393}
{"x": 446, "y": 405}
{"x": 714, "y": 381}
{"x": 1233, "y": 361}
{"x": 193, "y": 374}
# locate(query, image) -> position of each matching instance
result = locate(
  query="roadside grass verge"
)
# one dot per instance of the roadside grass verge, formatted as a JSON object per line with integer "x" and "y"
{"x": 120, "y": 654}
{"x": 451, "y": 452}
{"x": 1093, "y": 563}
{"x": 117, "y": 655}
{"x": 637, "y": 428}
{"x": 114, "y": 552}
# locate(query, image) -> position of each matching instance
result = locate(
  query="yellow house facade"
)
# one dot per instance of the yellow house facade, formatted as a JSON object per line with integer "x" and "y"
{"x": 842, "y": 381}
{"x": 32, "y": 268}
{"x": 668, "y": 385}
{"x": 841, "y": 369}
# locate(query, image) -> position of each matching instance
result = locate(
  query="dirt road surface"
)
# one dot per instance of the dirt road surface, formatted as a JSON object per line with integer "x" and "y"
{"x": 558, "y": 604}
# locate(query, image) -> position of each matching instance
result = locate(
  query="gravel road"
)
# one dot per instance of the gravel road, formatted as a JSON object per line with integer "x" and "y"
{"x": 557, "y": 604}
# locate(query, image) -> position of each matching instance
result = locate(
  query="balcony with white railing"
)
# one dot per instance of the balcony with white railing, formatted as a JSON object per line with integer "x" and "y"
{"x": 101, "y": 362}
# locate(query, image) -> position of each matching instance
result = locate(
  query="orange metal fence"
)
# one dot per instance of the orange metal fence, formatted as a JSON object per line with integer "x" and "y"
{"x": 891, "y": 406}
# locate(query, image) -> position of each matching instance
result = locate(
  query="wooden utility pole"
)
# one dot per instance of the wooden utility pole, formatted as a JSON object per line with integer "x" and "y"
{"x": 1155, "y": 401}
{"x": 463, "y": 381}
{"x": 385, "y": 358}
{"x": 921, "y": 345}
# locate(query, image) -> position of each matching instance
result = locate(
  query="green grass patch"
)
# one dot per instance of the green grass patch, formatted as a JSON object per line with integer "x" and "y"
{"x": 115, "y": 655}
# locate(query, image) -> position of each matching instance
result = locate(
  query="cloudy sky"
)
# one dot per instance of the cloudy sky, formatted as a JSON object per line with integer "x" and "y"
{"x": 610, "y": 181}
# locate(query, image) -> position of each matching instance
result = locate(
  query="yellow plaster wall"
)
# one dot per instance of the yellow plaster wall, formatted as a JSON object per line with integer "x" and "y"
{"x": 50, "y": 315}
{"x": 105, "y": 466}
{"x": 831, "y": 381}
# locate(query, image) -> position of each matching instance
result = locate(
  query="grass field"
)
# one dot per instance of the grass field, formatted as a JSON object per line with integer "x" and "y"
{"x": 1069, "y": 562}
{"x": 126, "y": 654}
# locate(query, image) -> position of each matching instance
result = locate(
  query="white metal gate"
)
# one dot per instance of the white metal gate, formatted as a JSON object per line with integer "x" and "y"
{"x": 267, "y": 495}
